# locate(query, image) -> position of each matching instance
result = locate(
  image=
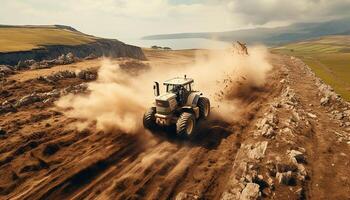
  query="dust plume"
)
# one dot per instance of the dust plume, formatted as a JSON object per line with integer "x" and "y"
{"x": 114, "y": 101}
{"x": 117, "y": 99}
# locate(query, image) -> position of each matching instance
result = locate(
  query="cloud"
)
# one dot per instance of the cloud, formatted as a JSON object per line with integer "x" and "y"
{"x": 264, "y": 11}
{"x": 135, "y": 18}
{"x": 119, "y": 18}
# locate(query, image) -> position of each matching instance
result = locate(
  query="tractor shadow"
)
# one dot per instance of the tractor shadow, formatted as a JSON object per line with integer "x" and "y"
{"x": 208, "y": 134}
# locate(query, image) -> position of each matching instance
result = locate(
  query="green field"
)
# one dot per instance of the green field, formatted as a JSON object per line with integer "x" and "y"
{"x": 328, "y": 57}
{"x": 27, "y": 38}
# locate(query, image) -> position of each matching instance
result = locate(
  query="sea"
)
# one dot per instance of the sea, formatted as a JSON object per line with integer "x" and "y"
{"x": 177, "y": 44}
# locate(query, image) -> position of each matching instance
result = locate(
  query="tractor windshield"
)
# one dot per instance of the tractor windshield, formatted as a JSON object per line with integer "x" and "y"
{"x": 172, "y": 88}
{"x": 175, "y": 88}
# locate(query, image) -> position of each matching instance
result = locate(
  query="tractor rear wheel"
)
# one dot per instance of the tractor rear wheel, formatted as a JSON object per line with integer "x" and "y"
{"x": 204, "y": 107}
{"x": 185, "y": 125}
{"x": 149, "y": 118}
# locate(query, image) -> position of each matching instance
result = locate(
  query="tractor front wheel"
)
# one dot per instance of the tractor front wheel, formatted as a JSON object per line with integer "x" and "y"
{"x": 185, "y": 124}
{"x": 149, "y": 118}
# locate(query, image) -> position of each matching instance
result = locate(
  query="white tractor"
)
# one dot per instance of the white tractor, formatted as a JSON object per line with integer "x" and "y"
{"x": 180, "y": 105}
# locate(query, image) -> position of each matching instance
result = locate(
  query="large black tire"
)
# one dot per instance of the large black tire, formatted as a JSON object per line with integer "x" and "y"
{"x": 185, "y": 125}
{"x": 149, "y": 118}
{"x": 204, "y": 107}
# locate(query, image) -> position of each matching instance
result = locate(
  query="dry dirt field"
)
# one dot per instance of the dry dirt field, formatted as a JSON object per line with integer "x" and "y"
{"x": 292, "y": 141}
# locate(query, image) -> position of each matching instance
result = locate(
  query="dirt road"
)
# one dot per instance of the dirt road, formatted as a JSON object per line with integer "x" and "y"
{"x": 285, "y": 145}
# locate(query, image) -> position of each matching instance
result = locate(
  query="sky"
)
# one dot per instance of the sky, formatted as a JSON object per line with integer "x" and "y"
{"x": 136, "y": 18}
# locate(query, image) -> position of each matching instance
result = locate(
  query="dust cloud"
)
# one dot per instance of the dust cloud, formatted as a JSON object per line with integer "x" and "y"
{"x": 117, "y": 99}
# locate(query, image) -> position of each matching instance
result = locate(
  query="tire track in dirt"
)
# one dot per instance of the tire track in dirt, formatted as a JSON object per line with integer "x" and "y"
{"x": 74, "y": 174}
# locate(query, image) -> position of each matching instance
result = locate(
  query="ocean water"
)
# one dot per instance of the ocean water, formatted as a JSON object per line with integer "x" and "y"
{"x": 176, "y": 44}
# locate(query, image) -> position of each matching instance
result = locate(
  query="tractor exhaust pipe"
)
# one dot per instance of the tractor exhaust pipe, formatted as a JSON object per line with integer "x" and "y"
{"x": 156, "y": 88}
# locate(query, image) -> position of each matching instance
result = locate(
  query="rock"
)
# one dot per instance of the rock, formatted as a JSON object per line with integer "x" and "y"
{"x": 6, "y": 107}
{"x": 87, "y": 75}
{"x": 267, "y": 131}
{"x": 60, "y": 60}
{"x": 288, "y": 131}
{"x": 24, "y": 64}
{"x": 28, "y": 99}
{"x": 311, "y": 115}
{"x": 184, "y": 196}
{"x": 6, "y": 69}
{"x": 75, "y": 89}
{"x": 324, "y": 101}
{"x": 276, "y": 105}
{"x": 339, "y": 116}
{"x": 266, "y": 125}
{"x": 65, "y": 59}
{"x": 53, "y": 78}
{"x": 285, "y": 178}
{"x": 41, "y": 65}
{"x": 347, "y": 113}
{"x": 295, "y": 116}
{"x": 296, "y": 156}
{"x": 230, "y": 196}
{"x": 283, "y": 81}
{"x": 258, "y": 151}
{"x": 181, "y": 196}
{"x": 250, "y": 192}
{"x": 288, "y": 97}
{"x": 70, "y": 56}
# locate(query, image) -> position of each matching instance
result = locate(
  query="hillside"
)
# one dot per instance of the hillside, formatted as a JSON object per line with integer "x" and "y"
{"x": 269, "y": 36}
{"x": 48, "y": 42}
{"x": 329, "y": 58}
{"x": 23, "y": 38}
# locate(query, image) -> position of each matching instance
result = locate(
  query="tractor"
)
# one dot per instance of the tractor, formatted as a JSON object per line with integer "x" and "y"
{"x": 180, "y": 105}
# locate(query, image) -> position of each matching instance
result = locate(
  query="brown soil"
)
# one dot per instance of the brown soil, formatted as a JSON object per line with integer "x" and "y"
{"x": 42, "y": 155}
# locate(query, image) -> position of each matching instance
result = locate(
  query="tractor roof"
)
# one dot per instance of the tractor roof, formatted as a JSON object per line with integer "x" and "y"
{"x": 178, "y": 81}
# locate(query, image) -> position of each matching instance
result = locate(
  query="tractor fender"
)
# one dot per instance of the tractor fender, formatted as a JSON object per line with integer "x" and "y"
{"x": 190, "y": 109}
{"x": 192, "y": 99}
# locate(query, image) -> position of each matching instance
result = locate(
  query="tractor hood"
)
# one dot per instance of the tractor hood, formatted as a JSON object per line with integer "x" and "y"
{"x": 166, "y": 103}
{"x": 165, "y": 96}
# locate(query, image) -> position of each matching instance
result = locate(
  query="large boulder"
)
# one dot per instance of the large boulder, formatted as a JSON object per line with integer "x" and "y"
{"x": 296, "y": 156}
{"x": 250, "y": 192}
{"x": 70, "y": 58}
{"x": 257, "y": 151}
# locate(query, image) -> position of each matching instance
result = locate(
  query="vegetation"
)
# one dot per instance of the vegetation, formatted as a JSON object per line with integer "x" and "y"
{"x": 26, "y": 38}
{"x": 328, "y": 57}
{"x": 159, "y": 47}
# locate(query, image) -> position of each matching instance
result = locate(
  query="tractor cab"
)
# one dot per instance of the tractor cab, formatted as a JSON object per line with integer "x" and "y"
{"x": 181, "y": 87}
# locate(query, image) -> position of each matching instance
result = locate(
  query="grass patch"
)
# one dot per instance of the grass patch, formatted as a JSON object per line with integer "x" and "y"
{"x": 328, "y": 57}
{"x": 27, "y": 38}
